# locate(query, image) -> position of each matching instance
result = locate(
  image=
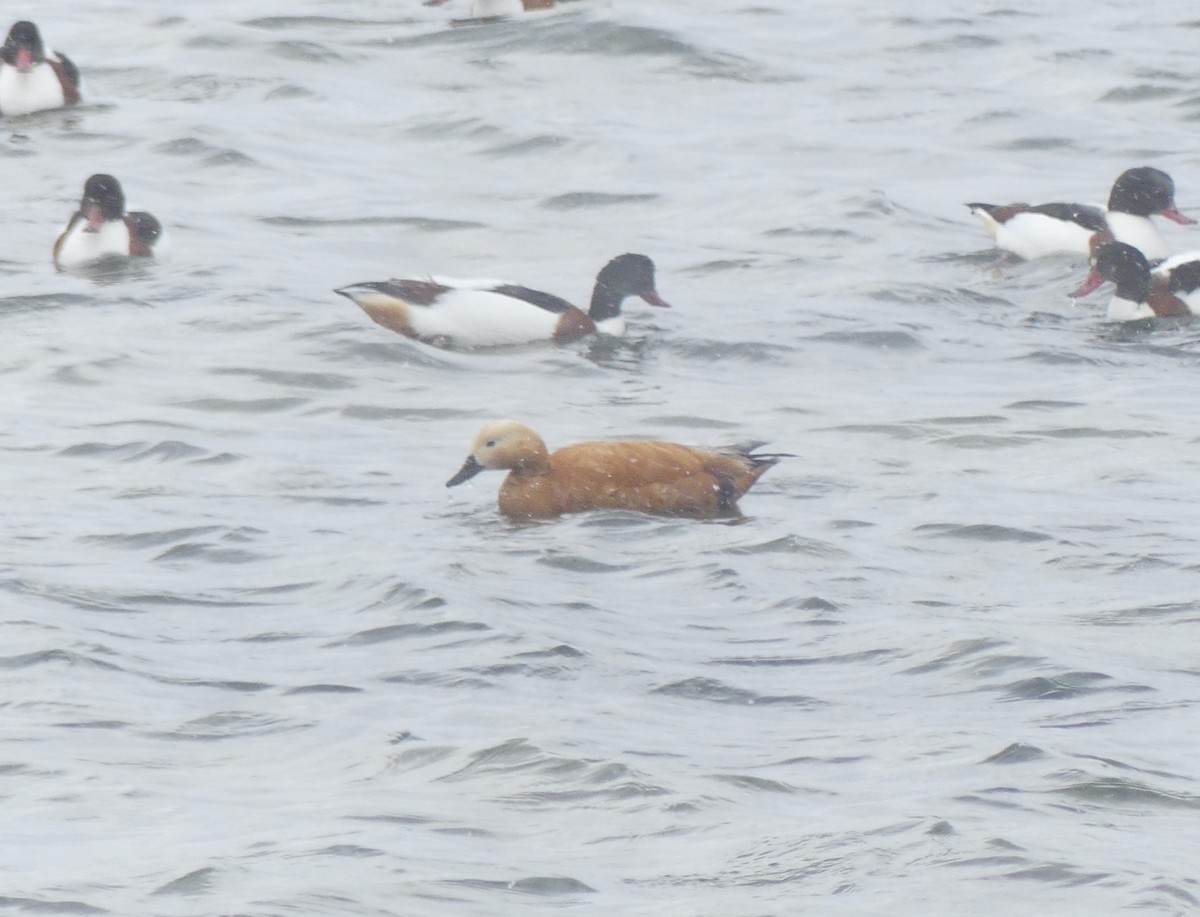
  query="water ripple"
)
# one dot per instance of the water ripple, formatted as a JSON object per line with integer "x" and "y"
{"x": 709, "y": 689}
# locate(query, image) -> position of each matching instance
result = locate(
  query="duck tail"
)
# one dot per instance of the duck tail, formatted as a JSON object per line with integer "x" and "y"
{"x": 759, "y": 461}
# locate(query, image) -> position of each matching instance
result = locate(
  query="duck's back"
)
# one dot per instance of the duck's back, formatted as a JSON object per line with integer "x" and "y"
{"x": 481, "y": 318}
{"x": 650, "y": 477}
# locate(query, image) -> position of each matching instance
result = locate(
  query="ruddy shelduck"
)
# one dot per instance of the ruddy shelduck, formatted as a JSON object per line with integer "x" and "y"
{"x": 647, "y": 476}
{"x": 493, "y": 313}
{"x": 1034, "y": 231}
{"x": 1172, "y": 289}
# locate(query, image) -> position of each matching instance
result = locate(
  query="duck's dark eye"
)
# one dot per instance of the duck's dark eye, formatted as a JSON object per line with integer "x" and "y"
{"x": 490, "y": 443}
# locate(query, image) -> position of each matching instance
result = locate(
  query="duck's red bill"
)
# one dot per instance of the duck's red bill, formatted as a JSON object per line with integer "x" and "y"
{"x": 94, "y": 216}
{"x": 1176, "y": 217}
{"x": 1093, "y": 281}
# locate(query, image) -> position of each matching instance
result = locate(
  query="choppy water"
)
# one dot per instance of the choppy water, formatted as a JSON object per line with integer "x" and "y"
{"x": 256, "y": 658}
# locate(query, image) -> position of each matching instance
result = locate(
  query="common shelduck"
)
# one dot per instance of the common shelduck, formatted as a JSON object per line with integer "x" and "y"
{"x": 489, "y": 313}
{"x": 1170, "y": 289}
{"x": 1034, "y": 231}
{"x": 101, "y": 229}
{"x": 32, "y": 77}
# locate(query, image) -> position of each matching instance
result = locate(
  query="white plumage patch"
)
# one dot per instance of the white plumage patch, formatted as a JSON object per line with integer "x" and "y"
{"x": 472, "y": 283}
{"x": 1175, "y": 261}
{"x": 79, "y": 248}
{"x": 1126, "y": 310}
{"x": 1191, "y": 300}
{"x": 614, "y": 326}
{"x": 482, "y": 8}
{"x": 1140, "y": 232}
{"x": 477, "y": 318}
{"x": 1035, "y": 235}
{"x": 462, "y": 318}
{"x": 24, "y": 93}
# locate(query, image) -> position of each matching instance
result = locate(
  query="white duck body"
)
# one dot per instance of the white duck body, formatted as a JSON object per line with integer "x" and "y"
{"x": 37, "y": 89}
{"x": 614, "y": 326}
{"x": 473, "y": 313}
{"x": 460, "y": 317}
{"x": 1034, "y": 235}
{"x": 1126, "y": 310}
{"x": 482, "y": 9}
{"x": 80, "y": 246}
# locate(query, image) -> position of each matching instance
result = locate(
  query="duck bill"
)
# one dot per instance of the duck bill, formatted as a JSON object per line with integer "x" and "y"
{"x": 655, "y": 300}
{"x": 24, "y": 60}
{"x": 469, "y": 469}
{"x": 94, "y": 214}
{"x": 1093, "y": 281}
{"x": 1176, "y": 217}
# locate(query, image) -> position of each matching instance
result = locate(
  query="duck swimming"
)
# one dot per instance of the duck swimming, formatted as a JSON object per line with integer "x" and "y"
{"x": 1034, "y": 231}
{"x": 465, "y": 314}
{"x": 1170, "y": 290}
{"x": 33, "y": 77}
{"x": 101, "y": 229}
{"x": 654, "y": 477}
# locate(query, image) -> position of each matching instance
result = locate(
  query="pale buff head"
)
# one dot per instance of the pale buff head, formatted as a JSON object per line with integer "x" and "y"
{"x": 503, "y": 445}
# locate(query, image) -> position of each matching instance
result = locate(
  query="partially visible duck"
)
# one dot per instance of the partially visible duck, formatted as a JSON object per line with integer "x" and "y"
{"x": 102, "y": 229}
{"x": 32, "y": 77}
{"x": 487, "y": 9}
{"x": 1045, "y": 229}
{"x": 646, "y": 476}
{"x": 1171, "y": 289}
{"x": 489, "y": 313}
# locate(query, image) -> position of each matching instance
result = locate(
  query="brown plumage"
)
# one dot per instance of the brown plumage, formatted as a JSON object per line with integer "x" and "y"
{"x": 650, "y": 477}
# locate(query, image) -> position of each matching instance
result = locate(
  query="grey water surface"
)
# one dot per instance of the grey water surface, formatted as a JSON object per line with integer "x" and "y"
{"x": 257, "y": 660}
